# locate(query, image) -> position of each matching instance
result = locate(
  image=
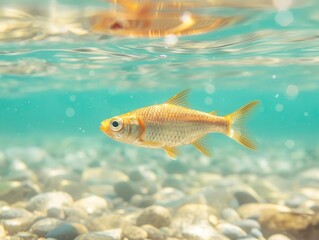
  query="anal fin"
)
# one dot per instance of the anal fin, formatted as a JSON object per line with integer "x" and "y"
{"x": 172, "y": 152}
{"x": 201, "y": 146}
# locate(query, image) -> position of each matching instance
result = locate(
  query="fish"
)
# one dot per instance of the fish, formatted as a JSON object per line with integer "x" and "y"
{"x": 153, "y": 19}
{"x": 172, "y": 124}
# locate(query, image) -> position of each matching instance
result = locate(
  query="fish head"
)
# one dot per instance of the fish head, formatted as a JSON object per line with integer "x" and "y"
{"x": 124, "y": 128}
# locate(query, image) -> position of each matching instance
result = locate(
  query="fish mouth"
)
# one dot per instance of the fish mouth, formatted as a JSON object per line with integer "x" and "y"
{"x": 104, "y": 128}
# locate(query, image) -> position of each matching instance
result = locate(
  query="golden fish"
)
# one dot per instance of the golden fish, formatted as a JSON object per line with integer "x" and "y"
{"x": 172, "y": 124}
{"x": 155, "y": 19}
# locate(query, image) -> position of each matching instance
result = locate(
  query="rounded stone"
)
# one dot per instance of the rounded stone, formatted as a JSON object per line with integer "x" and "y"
{"x": 278, "y": 237}
{"x": 247, "y": 224}
{"x": 55, "y": 213}
{"x": 44, "y": 201}
{"x": 134, "y": 233}
{"x": 230, "y": 215}
{"x": 231, "y": 231}
{"x": 66, "y": 231}
{"x": 142, "y": 174}
{"x": 126, "y": 190}
{"x": 156, "y": 216}
{"x": 170, "y": 197}
{"x": 15, "y": 225}
{"x": 142, "y": 201}
{"x": 92, "y": 204}
{"x": 153, "y": 233}
{"x": 43, "y": 226}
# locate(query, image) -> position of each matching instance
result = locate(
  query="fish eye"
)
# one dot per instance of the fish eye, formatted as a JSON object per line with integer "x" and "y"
{"x": 116, "y": 124}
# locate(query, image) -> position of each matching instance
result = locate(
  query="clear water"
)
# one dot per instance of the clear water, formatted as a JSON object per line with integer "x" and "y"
{"x": 58, "y": 81}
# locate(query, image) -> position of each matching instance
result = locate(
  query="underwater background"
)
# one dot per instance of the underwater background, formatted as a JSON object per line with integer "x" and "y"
{"x": 62, "y": 178}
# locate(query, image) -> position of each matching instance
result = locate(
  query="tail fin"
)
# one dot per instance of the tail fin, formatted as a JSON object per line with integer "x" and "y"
{"x": 236, "y": 129}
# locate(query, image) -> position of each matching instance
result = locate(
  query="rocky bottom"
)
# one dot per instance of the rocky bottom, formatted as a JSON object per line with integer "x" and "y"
{"x": 81, "y": 189}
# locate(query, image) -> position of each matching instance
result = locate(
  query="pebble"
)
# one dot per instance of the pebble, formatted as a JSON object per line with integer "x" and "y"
{"x": 66, "y": 231}
{"x": 45, "y": 225}
{"x": 142, "y": 174}
{"x": 247, "y": 224}
{"x": 134, "y": 233}
{"x": 230, "y": 215}
{"x": 278, "y": 237}
{"x": 92, "y": 204}
{"x": 55, "y": 213}
{"x": 156, "y": 216}
{"x": 97, "y": 236}
{"x": 142, "y": 201}
{"x": 231, "y": 231}
{"x": 103, "y": 176}
{"x": 126, "y": 190}
{"x": 2, "y": 232}
{"x": 201, "y": 232}
{"x": 15, "y": 225}
{"x": 44, "y": 201}
{"x": 170, "y": 198}
{"x": 153, "y": 233}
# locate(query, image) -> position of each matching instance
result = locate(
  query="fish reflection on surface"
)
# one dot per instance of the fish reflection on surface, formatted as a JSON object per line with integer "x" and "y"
{"x": 157, "y": 19}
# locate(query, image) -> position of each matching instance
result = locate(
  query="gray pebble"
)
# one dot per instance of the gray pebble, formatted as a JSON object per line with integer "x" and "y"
{"x": 255, "y": 232}
{"x": 66, "y": 231}
{"x": 142, "y": 201}
{"x": 231, "y": 231}
{"x": 134, "y": 233}
{"x": 126, "y": 190}
{"x": 157, "y": 216}
{"x": 55, "y": 213}
{"x": 142, "y": 174}
{"x": 44, "y": 201}
{"x": 11, "y": 213}
{"x": 230, "y": 215}
{"x": 170, "y": 197}
{"x": 247, "y": 224}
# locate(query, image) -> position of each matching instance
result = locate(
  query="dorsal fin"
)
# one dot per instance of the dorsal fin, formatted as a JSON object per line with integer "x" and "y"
{"x": 180, "y": 99}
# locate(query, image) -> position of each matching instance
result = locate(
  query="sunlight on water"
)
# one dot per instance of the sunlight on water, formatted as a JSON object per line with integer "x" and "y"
{"x": 66, "y": 66}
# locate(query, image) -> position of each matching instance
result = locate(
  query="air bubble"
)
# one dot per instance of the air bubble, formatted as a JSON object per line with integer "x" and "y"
{"x": 69, "y": 112}
{"x": 210, "y": 88}
{"x": 171, "y": 39}
{"x": 208, "y": 100}
{"x": 290, "y": 144}
{"x": 292, "y": 91}
{"x": 284, "y": 18}
{"x": 72, "y": 98}
{"x": 279, "y": 107}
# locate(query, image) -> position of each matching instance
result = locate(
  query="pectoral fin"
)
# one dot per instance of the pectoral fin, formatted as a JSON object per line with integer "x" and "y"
{"x": 172, "y": 152}
{"x": 200, "y": 145}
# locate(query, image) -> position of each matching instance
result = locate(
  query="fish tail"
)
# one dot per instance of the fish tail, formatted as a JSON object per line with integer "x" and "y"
{"x": 236, "y": 125}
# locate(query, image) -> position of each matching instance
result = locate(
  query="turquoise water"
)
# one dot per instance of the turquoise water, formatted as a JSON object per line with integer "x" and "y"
{"x": 59, "y": 80}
